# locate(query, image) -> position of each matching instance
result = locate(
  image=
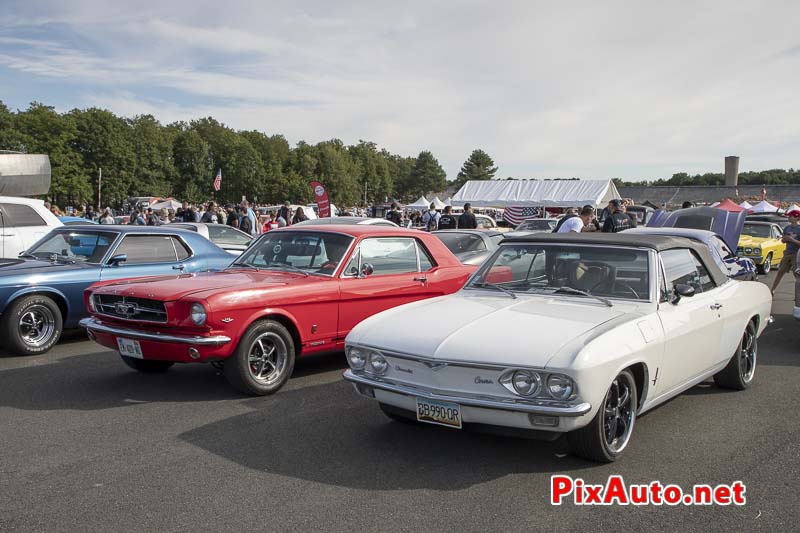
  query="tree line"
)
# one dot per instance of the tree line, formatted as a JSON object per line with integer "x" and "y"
{"x": 139, "y": 156}
{"x": 777, "y": 176}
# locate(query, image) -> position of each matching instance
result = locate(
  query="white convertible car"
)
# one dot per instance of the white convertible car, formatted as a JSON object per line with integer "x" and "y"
{"x": 564, "y": 333}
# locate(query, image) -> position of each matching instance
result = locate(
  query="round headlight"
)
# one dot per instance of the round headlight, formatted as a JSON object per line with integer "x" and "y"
{"x": 748, "y": 250}
{"x": 92, "y": 306}
{"x": 198, "y": 314}
{"x": 377, "y": 363}
{"x": 356, "y": 358}
{"x": 560, "y": 387}
{"x": 526, "y": 383}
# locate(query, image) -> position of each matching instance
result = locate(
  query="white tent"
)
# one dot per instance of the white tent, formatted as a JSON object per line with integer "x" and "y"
{"x": 449, "y": 201}
{"x": 536, "y": 193}
{"x": 763, "y": 207}
{"x": 715, "y": 204}
{"x": 746, "y": 205}
{"x": 422, "y": 203}
{"x": 167, "y": 204}
{"x": 438, "y": 204}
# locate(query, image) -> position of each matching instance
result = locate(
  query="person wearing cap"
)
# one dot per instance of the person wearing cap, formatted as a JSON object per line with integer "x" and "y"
{"x": 791, "y": 236}
{"x": 617, "y": 221}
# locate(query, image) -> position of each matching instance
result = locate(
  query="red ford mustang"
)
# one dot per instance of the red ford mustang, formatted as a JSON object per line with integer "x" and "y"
{"x": 293, "y": 292}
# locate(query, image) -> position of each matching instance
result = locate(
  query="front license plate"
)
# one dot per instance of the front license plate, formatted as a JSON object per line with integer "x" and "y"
{"x": 129, "y": 348}
{"x": 436, "y": 412}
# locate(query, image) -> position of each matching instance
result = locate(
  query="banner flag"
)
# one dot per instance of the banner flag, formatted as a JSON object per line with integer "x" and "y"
{"x": 321, "y": 196}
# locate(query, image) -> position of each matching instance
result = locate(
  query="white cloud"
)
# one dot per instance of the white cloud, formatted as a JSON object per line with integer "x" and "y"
{"x": 612, "y": 89}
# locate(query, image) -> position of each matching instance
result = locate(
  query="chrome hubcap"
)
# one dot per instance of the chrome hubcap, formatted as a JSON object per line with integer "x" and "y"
{"x": 618, "y": 414}
{"x": 267, "y": 358}
{"x": 36, "y": 325}
{"x": 749, "y": 352}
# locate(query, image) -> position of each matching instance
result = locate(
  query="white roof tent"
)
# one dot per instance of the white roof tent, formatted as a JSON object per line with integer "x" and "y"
{"x": 24, "y": 174}
{"x": 536, "y": 193}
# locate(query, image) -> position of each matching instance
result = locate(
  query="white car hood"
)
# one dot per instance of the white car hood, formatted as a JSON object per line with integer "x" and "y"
{"x": 527, "y": 331}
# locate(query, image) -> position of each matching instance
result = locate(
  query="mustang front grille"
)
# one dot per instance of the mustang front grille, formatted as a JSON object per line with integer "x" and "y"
{"x": 129, "y": 308}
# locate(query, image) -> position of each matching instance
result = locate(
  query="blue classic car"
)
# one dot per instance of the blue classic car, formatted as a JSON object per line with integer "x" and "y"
{"x": 41, "y": 293}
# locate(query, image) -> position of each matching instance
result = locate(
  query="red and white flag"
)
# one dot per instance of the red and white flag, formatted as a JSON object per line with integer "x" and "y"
{"x": 218, "y": 180}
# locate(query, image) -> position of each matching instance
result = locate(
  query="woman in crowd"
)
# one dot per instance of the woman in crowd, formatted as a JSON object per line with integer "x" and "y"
{"x": 299, "y": 216}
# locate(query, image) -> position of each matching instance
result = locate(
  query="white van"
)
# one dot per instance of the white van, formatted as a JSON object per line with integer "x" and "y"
{"x": 24, "y": 221}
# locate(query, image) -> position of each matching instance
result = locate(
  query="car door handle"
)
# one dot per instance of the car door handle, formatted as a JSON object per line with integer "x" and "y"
{"x": 7, "y": 234}
{"x": 423, "y": 279}
{"x": 716, "y": 306}
{"x": 178, "y": 267}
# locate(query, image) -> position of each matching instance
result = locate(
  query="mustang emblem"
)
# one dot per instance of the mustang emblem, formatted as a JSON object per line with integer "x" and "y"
{"x": 227, "y": 319}
{"x": 125, "y": 309}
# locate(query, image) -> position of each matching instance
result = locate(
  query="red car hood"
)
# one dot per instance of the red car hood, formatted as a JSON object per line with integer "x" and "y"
{"x": 170, "y": 288}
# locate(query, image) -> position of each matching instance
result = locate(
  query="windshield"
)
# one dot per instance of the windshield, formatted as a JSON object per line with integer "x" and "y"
{"x": 757, "y": 230}
{"x": 537, "y": 225}
{"x": 79, "y": 246}
{"x": 460, "y": 243}
{"x": 310, "y": 252}
{"x": 605, "y": 271}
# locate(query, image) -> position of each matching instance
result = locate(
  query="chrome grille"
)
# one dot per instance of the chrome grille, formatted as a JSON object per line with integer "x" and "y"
{"x": 130, "y": 308}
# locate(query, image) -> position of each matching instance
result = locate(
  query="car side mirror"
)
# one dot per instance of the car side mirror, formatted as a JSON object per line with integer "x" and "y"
{"x": 117, "y": 259}
{"x": 366, "y": 270}
{"x": 682, "y": 291}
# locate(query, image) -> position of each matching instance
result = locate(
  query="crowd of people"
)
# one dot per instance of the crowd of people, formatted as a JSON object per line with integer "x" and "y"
{"x": 433, "y": 219}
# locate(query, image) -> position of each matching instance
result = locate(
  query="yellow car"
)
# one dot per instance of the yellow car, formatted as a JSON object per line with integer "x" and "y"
{"x": 761, "y": 242}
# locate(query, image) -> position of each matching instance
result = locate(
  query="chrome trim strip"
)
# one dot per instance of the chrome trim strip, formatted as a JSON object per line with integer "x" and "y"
{"x": 95, "y": 326}
{"x": 507, "y": 405}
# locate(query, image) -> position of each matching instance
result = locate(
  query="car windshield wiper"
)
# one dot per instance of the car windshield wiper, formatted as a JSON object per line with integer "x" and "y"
{"x": 287, "y": 266}
{"x": 242, "y": 265}
{"x": 27, "y": 255}
{"x": 483, "y": 284}
{"x": 572, "y": 290}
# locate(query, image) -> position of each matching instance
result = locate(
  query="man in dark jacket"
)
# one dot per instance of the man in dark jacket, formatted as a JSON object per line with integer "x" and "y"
{"x": 394, "y": 215}
{"x": 185, "y": 214}
{"x": 447, "y": 220}
{"x": 467, "y": 219}
{"x": 617, "y": 221}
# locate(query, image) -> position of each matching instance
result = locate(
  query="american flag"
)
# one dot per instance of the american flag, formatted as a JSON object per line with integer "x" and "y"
{"x": 218, "y": 180}
{"x": 515, "y": 215}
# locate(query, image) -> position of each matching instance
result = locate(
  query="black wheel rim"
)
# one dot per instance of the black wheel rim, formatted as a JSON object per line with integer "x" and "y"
{"x": 748, "y": 354}
{"x": 618, "y": 414}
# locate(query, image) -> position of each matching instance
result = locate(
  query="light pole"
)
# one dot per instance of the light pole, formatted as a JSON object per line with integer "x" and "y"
{"x": 365, "y": 194}
{"x": 99, "y": 189}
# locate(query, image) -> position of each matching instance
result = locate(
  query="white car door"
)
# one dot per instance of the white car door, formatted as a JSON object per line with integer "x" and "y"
{"x": 18, "y": 222}
{"x": 692, "y": 326}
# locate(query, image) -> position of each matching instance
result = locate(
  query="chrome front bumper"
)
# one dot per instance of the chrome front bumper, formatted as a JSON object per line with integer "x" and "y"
{"x": 529, "y": 407}
{"x": 95, "y": 326}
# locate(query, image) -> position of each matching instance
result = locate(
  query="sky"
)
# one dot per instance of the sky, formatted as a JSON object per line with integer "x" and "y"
{"x": 632, "y": 90}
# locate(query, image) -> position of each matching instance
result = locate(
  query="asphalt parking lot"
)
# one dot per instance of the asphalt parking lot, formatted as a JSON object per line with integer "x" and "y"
{"x": 88, "y": 445}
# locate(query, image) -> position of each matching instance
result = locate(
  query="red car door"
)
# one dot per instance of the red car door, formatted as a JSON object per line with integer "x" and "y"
{"x": 384, "y": 272}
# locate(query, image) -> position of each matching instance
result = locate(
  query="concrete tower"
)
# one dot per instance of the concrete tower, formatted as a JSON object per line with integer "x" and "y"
{"x": 732, "y": 170}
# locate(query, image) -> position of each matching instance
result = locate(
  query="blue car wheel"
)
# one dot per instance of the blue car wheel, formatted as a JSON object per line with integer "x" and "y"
{"x": 32, "y": 324}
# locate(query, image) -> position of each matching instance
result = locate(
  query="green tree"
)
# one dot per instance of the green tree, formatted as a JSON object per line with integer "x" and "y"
{"x": 427, "y": 175}
{"x": 371, "y": 170}
{"x": 190, "y": 154}
{"x": 154, "y": 171}
{"x": 479, "y": 166}
{"x": 103, "y": 140}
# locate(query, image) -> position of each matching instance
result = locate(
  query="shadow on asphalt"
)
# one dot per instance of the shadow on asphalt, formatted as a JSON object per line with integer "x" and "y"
{"x": 328, "y": 434}
{"x": 103, "y": 381}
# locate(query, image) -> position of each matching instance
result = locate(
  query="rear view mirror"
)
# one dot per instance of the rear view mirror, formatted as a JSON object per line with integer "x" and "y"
{"x": 682, "y": 291}
{"x": 117, "y": 259}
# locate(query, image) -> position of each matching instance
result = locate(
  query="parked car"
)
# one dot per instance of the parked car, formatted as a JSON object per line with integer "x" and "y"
{"x": 533, "y": 225}
{"x": 470, "y": 246}
{"x": 41, "y": 293}
{"x": 348, "y": 221}
{"x": 739, "y": 268}
{"x": 574, "y": 334}
{"x": 485, "y": 222}
{"x": 294, "y": 292}
{"x": 775, "y": 218}
{"x": 761, "y": 242}
{"x": 24, "y": 221}
{"x": 230, "y": 239}
{"x": 75, "y": 221}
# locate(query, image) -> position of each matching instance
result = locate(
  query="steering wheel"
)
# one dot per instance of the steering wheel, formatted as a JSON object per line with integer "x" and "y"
{"x": 329, "y": 265}
{"x": 613, "y": 285}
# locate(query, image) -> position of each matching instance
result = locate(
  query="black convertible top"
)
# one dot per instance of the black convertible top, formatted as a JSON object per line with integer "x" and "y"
{"x": 658, "y": 243}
